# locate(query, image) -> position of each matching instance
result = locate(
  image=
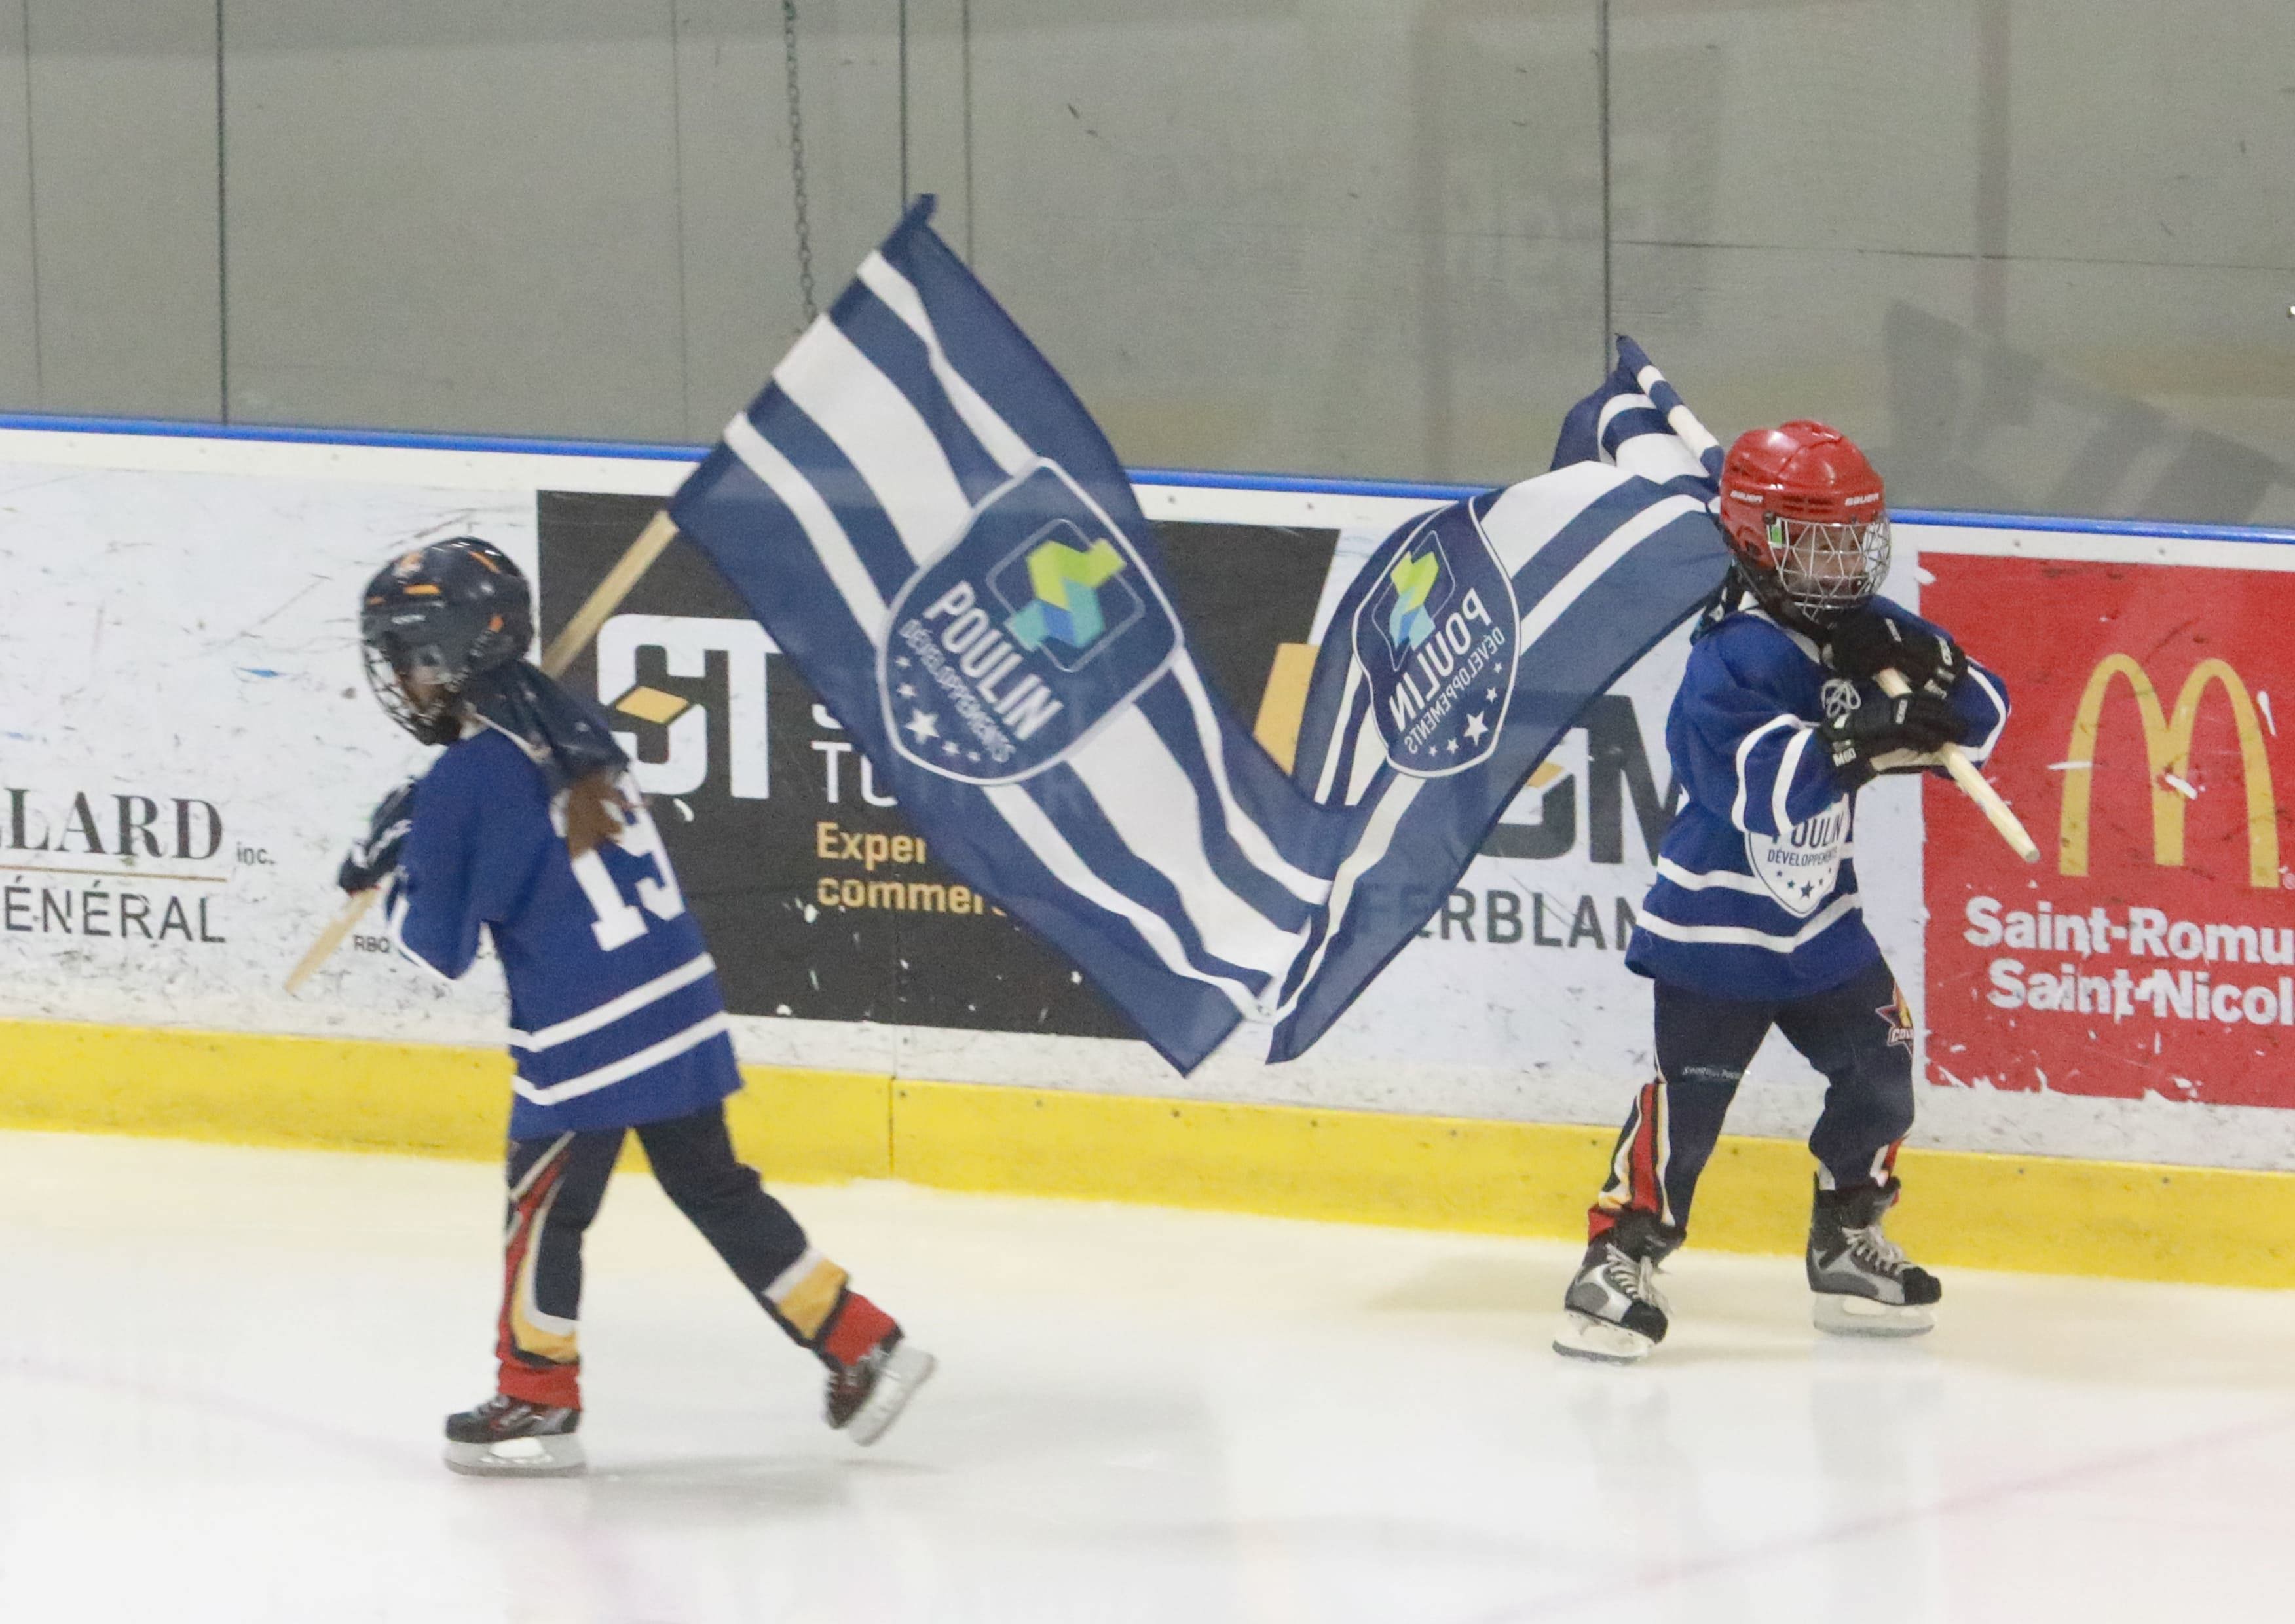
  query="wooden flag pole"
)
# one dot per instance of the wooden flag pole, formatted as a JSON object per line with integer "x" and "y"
{"x": 620, "y": 581}
{"x": 1972, "y": 783}
{"x": 564, "y": 649}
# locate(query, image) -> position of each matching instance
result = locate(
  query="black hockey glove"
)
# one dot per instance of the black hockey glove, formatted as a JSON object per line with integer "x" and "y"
{"x": 1868, "y": 642}
{"x": 375, "y": 854}
{"x": 1918, "y": 724}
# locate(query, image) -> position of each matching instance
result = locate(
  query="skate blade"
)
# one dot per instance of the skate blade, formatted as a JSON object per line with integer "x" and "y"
{"x": 908, "y": 1368}
{"x": 559, "y": 1456}
{"x": 1584, "y": 1336}
{"x": 1843, "y": 1315}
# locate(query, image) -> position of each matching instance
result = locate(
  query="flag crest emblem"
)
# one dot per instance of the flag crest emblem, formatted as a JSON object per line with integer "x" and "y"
{"x": 1437, "y": 639}
{"x": 1008, "y": 649}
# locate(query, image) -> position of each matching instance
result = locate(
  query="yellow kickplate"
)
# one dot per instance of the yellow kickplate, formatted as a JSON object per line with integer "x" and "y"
{"x": 347, "y": 1094}
{"x": 1961, "y": 1209}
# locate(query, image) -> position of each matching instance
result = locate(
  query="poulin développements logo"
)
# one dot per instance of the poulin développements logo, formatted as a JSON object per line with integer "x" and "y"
{"x": 1008, "y": 648}
{"x": 1437, "y": 637}
{"x": 2168, "y": 755}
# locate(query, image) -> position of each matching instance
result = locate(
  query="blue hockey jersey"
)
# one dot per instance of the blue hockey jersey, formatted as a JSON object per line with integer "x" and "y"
{"x": 614, "y": 1011}
{"x": 1756, "y": 893}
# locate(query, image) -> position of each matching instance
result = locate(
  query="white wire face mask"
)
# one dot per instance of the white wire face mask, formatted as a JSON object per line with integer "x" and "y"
{"x": 1822, "y": 571}
{"x": 434, "y": 719}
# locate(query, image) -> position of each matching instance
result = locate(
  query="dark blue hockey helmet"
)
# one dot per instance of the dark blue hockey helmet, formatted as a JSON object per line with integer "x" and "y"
{"x": 433, "y": 619}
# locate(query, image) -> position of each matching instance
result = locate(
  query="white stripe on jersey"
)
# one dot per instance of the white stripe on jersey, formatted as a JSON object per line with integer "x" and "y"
{"x": 393, "y": 917}
{"x": 1740, "y": 935}
{"x": 1728, "y": 879}
{"x": 1720, "y": 879}
{"x": 614, "y": 1008}
{"x": 1744, "y": 756}
{"x": 1781, "y": 792}
{"x": 1978, "y": 752}
{"x": 628, "y": 1066}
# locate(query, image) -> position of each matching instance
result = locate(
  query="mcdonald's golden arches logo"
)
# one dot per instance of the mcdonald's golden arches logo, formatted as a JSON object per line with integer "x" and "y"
{"x": 2168, "y": 750}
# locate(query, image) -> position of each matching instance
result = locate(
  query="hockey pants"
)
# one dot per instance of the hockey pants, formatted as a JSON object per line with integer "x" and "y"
{"x": 555, "y": 1188}
{"x": 1860, "y": 1035}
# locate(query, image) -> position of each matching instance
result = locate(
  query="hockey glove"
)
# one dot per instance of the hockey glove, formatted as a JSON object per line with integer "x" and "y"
{"x": 1870, "y": 642}
{"x": 374, "y": 855}
{"x": 1918, "y": 723}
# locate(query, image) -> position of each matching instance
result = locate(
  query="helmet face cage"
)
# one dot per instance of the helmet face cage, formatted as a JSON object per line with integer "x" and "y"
{"x": 436, "y": 719}
{"x": 433, "y": 620}
{"x": 1820, "y": 572}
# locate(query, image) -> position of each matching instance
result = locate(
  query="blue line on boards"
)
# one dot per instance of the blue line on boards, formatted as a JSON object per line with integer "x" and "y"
{"x": 1197, "y": 478}
{"x": 390, "y": 439}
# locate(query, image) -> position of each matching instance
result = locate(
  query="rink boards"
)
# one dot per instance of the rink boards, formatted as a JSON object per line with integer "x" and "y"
{"x": 188, "y": 742}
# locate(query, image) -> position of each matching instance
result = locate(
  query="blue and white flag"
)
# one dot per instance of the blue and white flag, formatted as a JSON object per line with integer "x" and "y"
{"x": 931, "y": 526}
{"x": 1470, "y": 642}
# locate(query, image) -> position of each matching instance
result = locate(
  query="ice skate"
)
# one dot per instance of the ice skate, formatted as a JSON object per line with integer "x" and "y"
{"x": 1613, "y": 1312}
{"x": 507, "y": 1436}
{"x": 867, "y": 1396}
{"x": 1863, "y": 1285}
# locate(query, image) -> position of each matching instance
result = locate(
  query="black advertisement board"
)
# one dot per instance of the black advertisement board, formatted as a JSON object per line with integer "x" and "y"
{"x": 818, "y": 900}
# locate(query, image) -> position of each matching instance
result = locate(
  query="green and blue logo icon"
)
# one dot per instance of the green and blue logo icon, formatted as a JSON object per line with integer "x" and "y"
{"x": 1415, "y": 577}
{"x": 1067, "y": 595}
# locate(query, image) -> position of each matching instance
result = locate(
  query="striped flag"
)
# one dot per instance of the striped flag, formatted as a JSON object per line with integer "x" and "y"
{"x": 1470, "y": 642}
{"x": 930, "y": 525}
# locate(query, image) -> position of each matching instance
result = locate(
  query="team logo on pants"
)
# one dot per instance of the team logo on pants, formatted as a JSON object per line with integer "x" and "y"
{"x": 1436, "y": 638}
{"x": 1898, "y": 1016}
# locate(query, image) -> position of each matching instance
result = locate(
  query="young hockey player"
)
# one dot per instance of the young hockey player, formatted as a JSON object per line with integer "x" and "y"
{"x": 525, "y": 828}
{"x": 1754, "y": 920}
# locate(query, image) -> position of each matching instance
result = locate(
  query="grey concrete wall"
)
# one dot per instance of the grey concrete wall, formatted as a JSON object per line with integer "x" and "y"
{"x": 1328, "y": 238}
{"x": 2038, "y": 253}
{"x": 20, "y": 322}
{"x": 118, "y": 118}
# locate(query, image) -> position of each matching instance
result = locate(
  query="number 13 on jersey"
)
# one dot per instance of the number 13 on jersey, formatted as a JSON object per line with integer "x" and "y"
{"x": 619, "y": 921}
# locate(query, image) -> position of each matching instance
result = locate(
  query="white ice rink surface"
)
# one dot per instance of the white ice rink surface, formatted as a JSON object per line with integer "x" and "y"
{"x": 222, "y": 1374}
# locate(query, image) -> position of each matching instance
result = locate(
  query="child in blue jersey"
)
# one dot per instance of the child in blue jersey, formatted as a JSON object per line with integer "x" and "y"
{"x": 525, "y": 829}
{"x": 1754, "y": 920}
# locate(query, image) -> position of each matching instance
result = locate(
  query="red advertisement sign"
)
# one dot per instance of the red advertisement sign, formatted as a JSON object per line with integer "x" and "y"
{"x": 2152, "y": 950}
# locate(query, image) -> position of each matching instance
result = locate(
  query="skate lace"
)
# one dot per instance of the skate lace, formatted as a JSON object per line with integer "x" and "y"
{"x": 1629, "y": 1276}
{"x": 1875, "y": 1251}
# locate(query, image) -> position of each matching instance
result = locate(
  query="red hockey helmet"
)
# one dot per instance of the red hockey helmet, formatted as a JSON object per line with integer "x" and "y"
{"x": 1804, "y": 515}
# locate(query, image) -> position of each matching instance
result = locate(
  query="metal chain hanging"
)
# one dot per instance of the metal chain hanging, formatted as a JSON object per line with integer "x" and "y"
{"x": 796, "y": 165}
